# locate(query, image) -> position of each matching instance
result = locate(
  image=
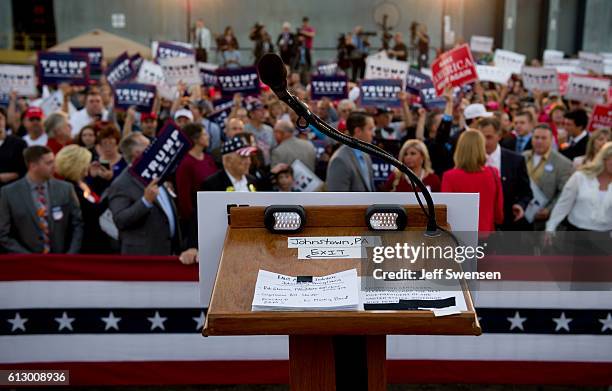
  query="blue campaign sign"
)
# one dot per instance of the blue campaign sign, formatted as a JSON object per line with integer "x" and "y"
{"x": 142, "y": 96}
{"x": 416, "y": 81}
{"x": 120, "y": 70}
{"x": 169, "y": 49}
{"x": 381, "y": 171}
{"x": 58, "y": 67}
{"x": 95, "y": 57}
{"x": 242, "y": 80}
{"x": 163, "y": 156}
{"x": 430, "y": 100}
{"x": 333, "y": 87}
{"x": 380, "y": 92}
{"x": 327, "y": 68}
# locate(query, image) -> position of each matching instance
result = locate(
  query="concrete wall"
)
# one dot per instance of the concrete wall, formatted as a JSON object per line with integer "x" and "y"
{"x": 162, "y": 19}
{"x": 6, "y": 24}
{"x": 598, "y": 26}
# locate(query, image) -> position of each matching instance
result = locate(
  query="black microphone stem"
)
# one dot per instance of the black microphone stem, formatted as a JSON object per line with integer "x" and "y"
{"x": 312, "y": 119}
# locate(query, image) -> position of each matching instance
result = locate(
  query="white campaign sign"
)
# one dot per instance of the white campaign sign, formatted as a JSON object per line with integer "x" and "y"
{"x": 550, "y": 54}
{"x": 383, "y": 68}
{"x": 18, "y": 78}
{"x": 303, "y": 178}
{"x": 178, "y": 69}
{"x": 509, "y": 60}
{"x": 543, "y": 79}
{"x": 151, "y": 73}
{"x": 493, "y": 73}
{"x": 481, "y": 44}
{"x": 587, "y": 89}
{"x": 592, "y": 62}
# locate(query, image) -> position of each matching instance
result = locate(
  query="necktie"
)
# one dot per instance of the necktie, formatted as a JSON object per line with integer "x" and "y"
{"x": 42, "y": 214}
{"x": 520, "y": 145}
{"x": 364, "y": 169}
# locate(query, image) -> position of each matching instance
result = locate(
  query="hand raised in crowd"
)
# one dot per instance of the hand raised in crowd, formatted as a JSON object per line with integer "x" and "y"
{"x": 98, "y": 170}
{"x": 189, "y": 256}
{"x": 130, "y": 114}
{"x": 151, "y": 191}
{"x": 448, "y": 93}
{"x": 66, "y": 89}
{"x": 237, "y": 99}
{"x": 518, "y": 212}
{"x": 542, "y": 214}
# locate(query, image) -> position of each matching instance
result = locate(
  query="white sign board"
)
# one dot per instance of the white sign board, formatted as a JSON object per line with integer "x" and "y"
{"x": 481, "y": 44}
{"x": 151, "y": 73}
{"x": 304, "y": 179}
{"x": 587, "y": 89}
{"x": 509, "y": 60}
{"x": 177, "y": 69}
{"x": 382, "y": 68}
{"x": 592, "y": 62}
{"x": 18, "y": 78}
{"x": 538, "y": 78}
{"x": 493, "y": 73}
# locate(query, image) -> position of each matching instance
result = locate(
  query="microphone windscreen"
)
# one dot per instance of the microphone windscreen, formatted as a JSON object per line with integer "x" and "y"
{"x": 272, "y": 71}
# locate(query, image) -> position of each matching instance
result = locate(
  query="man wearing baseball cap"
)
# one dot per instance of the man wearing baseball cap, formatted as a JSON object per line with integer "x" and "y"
{"x": 264, "y": 135}
{"x": 148, "y": 124}
{"x": 236, "y": 163}
{"x": 32, "y": 121}
{"x": 474, "y": 112}
{"x": 182, "y": 117}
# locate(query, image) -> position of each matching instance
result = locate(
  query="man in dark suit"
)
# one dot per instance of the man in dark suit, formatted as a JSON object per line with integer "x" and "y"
{"x": 576, "y": 123}
{"x": 236, "y": 163}
{"x": 513, "y": 172}
{"x": 12, "y": 165}
{"x": 146, "y": 217}
{"x": 350, "y": 169}
{"x": 519, "y": 140}
{"x": 40, "y": 214}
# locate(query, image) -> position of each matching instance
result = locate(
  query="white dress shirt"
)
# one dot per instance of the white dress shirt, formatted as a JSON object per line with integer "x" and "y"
{"x": 42, "y": 140}
{"x": 575, "y": 140}
{"x": 239, "y": 185}
{"x": 202, "y": 38}
{"x": 81, "y": 118}
{"x": 584, "y": 205}
{"x": 494, "y": 159}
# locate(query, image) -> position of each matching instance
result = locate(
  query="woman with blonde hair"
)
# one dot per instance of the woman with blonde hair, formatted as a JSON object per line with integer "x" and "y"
{"x": 415, "y": 156}
{"x": 72, "y": 163}
{"x": 472, "y": 175}
{"x": 586, "y": 199}
{"x": 596, "y": 140}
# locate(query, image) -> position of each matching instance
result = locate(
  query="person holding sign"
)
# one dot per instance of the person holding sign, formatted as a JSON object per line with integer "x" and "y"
{"x": 145, "y": 216}
{"x": 415, "y": 156}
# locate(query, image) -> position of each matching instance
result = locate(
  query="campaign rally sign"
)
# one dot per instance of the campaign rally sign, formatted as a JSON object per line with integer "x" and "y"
{"x": 139, "y": 95}
{"x": 380, "y": 170}
{"x": 242, "y": 80}
{"x": 592, "y": 62}
{"x": 120, "y": 70}
{"x": 509, "y": 60}
{"x": 538, "y": 78}
{"x": 333, "y": 87}
{"x": 161, "y": 158}
{"x": 416, "y": 80}
{"x": 18, "y": 78}
{"x": 493, "y": 73}
{"x": 304, "y": 179}
{"x": 601, "y": 117}
{"x": 328, "y": 69}
{"x": 587, "y": 89}
{"x": 95, "y": 58}
{"x": 57, "y": 67}
{"x": 563, "y": 81}
{"x": 208, "y": 74}
{"x": 170, "y": 49}
{"x": 552, "y": 55}
{"x": 380, "y": 92}
{"x": 378, "y": 67}
{"x": 222, "y": 110}
{"x": 453, "y": 68}
{"x": 481, "y": 44}
{"x": 430, "y": 99}
{"x": 4, "y": 99}
{"x": 135, "y": 62}
{"x": 180, "y": 69}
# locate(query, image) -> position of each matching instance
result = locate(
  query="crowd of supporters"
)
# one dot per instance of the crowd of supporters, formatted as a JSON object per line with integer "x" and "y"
{"x": 65, "y": 187}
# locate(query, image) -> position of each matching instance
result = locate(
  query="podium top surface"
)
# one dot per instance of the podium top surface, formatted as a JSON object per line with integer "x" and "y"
{"x": 250, "y": 247}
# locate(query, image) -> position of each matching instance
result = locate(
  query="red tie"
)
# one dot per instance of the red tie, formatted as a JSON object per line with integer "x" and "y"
{"x": 42, "y": 215}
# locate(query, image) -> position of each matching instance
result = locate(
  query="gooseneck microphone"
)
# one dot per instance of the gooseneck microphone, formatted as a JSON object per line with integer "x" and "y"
{"x": 273, "y": 73}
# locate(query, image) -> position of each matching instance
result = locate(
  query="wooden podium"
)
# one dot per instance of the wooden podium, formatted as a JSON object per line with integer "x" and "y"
{"x": 328, "y": 350}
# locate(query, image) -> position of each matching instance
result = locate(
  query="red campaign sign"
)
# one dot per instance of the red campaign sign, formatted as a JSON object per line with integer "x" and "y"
{"x": 454, "y": 68}
{"x": 563, "y": 81}
{"x": 601, "y": 117}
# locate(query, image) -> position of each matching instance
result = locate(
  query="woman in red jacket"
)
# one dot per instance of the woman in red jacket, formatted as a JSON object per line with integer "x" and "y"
{"x": 471, "y": 175}
{"x": 415, "y": 156}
